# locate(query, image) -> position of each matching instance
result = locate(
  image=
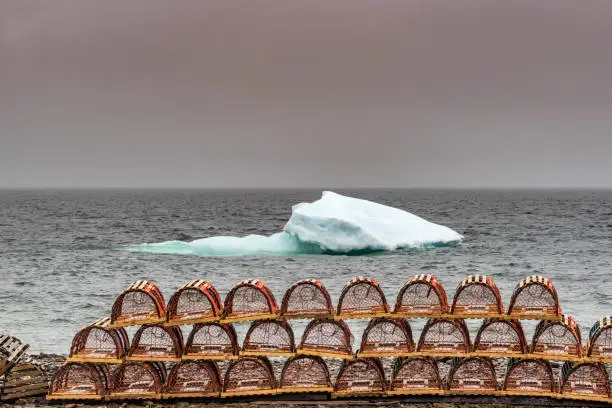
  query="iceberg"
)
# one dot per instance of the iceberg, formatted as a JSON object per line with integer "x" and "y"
{"x": 334, "y": 224}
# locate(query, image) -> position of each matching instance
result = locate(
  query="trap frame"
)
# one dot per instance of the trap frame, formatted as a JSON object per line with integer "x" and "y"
{"x": 421, "y": 296}
{"x": 140, "y": 303}
{"x": 99, "y": 343}
{"x": 212, "y": 341}
{"x": 477, "y": 297}
{"x": 362, "y": 298}
{"x": 195, "y": 302}
{"x": 307, "y": 299}
{"x": 249, "y": 300}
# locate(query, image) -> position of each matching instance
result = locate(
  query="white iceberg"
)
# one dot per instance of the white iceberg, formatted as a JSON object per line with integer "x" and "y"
{"x": 334, "y": 224}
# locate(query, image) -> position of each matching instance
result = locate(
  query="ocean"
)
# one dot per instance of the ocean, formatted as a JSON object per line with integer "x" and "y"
{"x": 62, "y": 257}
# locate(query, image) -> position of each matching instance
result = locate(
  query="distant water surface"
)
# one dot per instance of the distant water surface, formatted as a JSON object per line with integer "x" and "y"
{"x": 61, "y": 265}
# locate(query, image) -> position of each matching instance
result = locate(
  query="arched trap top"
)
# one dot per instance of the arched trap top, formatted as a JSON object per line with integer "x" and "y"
{"x": 250, "y": 300}
{"x": 305, "y": 374}
{"x": 535, "y": 297}
{"x": 196, "y": 302}
{"x": 193, "y": 379}
{"x": 79, "y": 381}
{"x": 97, "y": 342}
{"x": 500, "y": 338}
{"x": 269, "y": 338}
{"x": 213, "y": 341}
{"x": 557, "y": 339}
{"x": 444, "y": 337}
{"x": 423, "y": 295}
{"x": 477, "y": 296}
{"x": 156, "y": 343}
{"x": 585, "y": 380}
{"x": 140, "y": 303}
{"x": 327, "y": 338}
{"x": 362, "y": 297}
{"x": 417, "y": 375}
{"x": 599, "y": 345}
{"x": 386, "y": 337}
{"x": 362, "y": 376}
{"x": 138, "y": 380}
{"x": 529, "y": 377}
{"x": 472, "y": 375}
{"x": 249, "y": 376}
{"x": 306, "y": 299}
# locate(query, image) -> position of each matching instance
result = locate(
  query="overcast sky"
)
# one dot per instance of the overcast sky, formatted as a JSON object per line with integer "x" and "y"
{"x": 306, "y": 93}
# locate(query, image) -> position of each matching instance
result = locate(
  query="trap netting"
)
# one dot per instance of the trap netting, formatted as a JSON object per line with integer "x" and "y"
{"x": 156, "y": 343}
{"x": 499, "y": 338}
{"x": 306, "y": 299}
{"x": 212, "y": 341}
{"x": 362, "y": 376}
{"x": 97, "y": 342}
{"x": 423, "y": 295}
{"x": 197, "y": 301}
{"x": 444, "y": 336}
{"x": 473, "y": 374}
{"x": 525, "y": 377}
{"x": 269, "y": 337}
{"x": 477, "y": 296}
{"x": 250, "y": 300}
{"x": 80, "y": 380}
{"x": 386, "y": 337}
{"x": 362, "y": 297}
{"x": 599, "y": 345}
{"x": 587, "y": 379}
{"x": 249, "y": 376}
{"x": 415, "y": 375}
{"x": 194, "y": 378}
{"x": 534, "y": 297}
{"x": 138, "y": 380}
{"x": 557, "y": 339}
{"x": 305, "y": 374}
{"x": 140, "y": 303}
{"x": 327, "y": 338}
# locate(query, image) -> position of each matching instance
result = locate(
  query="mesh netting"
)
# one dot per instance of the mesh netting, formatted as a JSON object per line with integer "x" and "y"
{"x": 80, "y": 379}
{"x": 269, "y": 335}
{"x": 137, "y": 377}
{"x": 327, "y": 335}
{"x": 249, "y": 373}
{"x": 476, "y": 373}
{"x": 441, "y": 335}
{"x": 212, "y": 339}
{"x": 416, "y": 373}
{"x": 361, "y": 375}
{"x": 423, "y": 294}
{"x": 305, "y": 372}
{"x": 501, "y": 336}
{"x": 530, "y": 376}
{"x": 590, "y": 379}
{"x": 308, "y": 297}
{"x": 362, "y": 296}
{"x": 194, "y": 377}
{"x": 157, "y": 341}
{"x": 385, "y": 334}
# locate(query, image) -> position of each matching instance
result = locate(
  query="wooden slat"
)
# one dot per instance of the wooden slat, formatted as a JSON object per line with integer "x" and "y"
{"x": 191, "y": 395}
{"x": 51, "y": 397}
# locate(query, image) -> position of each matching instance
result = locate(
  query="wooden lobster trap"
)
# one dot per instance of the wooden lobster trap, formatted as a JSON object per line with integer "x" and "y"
{"x": 190, "y": 379}
{"x": 386, "y": 337}
{"x": 138, "y": 380}
{"x": 473, "y": 375}
{"x": 558, "y": 340}
{"x": 212, "y": 341}
{"x": 535, "y": 297}
{"x": 250, "y": 300}
{"x": 305, "y": 374}
{"x": 327, "y": 338}
{"x": 444, "y": 337}
{"x": 477, "y": 297}
{"x": 154, "y": 342}
{"x": 11, "y": 351}
{"x": 307, "y": 299}
{"x": 529, "y": 377}
{"x": 362, "y": 298}
{"x": 82, "y": 381}
{"x": 599, "y": 345}
{"x": 500, "y": 338}
{"x": 249, "y": 376}
{"x": 24, "y": 380}
{"x": 140, "y": 303}
{"x": 98, "y": 343}
{"x": 269, "y": 338}
{"x": 585, "y": 381}
{"x": 196, "y": 302}
{"x": 416, "y": 376}
{"x": 360, "y": 377}
{"x": 421, "y": 296}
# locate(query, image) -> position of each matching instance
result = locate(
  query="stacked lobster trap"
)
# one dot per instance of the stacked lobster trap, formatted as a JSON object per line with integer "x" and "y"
{"x": 159, "y": 363}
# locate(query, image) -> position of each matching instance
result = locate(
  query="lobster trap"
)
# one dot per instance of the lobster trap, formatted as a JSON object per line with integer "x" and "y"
{"x": 362, "y": 297}
{"x": 535, "y": 297}
{"x": 421, "y": 296}
{"x": 138, "y": 380}
{"x": 98, "y": 343}
{"x": 305, "y": 374}
{"x": 360, "y": 377}
{"x": 529, "y": 377}
{"x": 500, "y": 338}
{"x": 416, "y": 375}
{"x": 140, "y": 303}
{"x": 79, "y": 381}
{"x": 477, "y": 297}
{"x": 327, "y": 338}
{"x": 444, "y": 337}
{"x": 250, "y": 300}
{"x": 249, "y": 376}
{"x": 269, "y": 338}
{"x": 154, "y": 342}
{"x": 196, "y": 302}
{"x": 557, "y": 340}
{"x": 386, "y": 337}
{"x": 213, "y": 341}
{"x": 306, "y": 299}
{"x": 599, "y": 345}
{"x": 193, "y": 379}
{"x": 473, "y": 375}
{"x": 585, "y": 381}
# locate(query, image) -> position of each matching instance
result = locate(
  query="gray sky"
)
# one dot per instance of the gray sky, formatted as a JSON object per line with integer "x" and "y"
{"x": 306, "y": 93}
